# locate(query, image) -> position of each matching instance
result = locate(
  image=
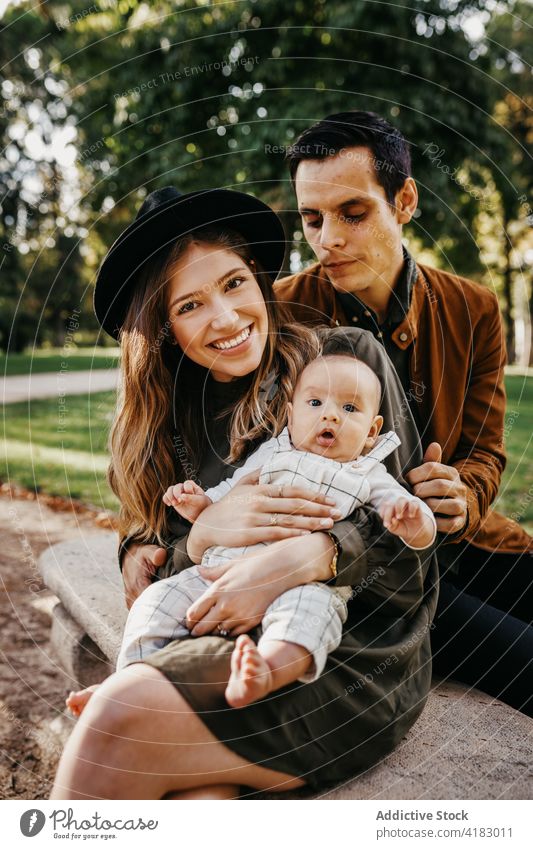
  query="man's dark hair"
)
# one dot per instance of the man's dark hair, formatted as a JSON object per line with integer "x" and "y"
{"x": 390, "y": 151}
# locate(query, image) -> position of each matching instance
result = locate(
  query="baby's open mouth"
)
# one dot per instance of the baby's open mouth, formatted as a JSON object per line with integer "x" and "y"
{"x": 326, "y": 438}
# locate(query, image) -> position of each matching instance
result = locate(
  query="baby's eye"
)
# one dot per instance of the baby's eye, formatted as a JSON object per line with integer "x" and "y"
{"x": 234, "y": 283}
{"x": 189, "y": 306}
{"x": 350, "y": 408}
{"x": 314, "y": 402}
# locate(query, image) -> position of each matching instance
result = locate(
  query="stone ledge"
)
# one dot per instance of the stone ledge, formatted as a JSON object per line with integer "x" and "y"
{"x": 85, "y": 577}
{"x": 465, "y": 745}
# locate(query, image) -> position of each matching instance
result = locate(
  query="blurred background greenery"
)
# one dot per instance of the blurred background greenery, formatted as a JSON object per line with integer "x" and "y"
{"x": 103, "y": 102}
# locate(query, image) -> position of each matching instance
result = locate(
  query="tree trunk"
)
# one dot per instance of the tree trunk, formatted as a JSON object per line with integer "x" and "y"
{"x": 508, "y": 297}
{"x": 530, "y": 328}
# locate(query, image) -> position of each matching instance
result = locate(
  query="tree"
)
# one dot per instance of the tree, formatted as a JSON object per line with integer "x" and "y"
{"x": 197, "y": 95}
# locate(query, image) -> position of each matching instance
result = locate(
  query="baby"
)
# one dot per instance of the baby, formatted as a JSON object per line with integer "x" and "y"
{"x": 331, "y": 444}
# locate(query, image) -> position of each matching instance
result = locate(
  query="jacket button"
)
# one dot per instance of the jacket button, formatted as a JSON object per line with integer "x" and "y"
{"x": 403, "y": 337}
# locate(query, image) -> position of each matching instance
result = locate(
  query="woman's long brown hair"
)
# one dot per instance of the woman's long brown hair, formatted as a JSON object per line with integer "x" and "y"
{"x": 158, "y": 435}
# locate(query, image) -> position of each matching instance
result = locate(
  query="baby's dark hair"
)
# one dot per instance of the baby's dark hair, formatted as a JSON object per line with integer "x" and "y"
{"x": 338, "y": 344}
{"x": 347, "y": 354}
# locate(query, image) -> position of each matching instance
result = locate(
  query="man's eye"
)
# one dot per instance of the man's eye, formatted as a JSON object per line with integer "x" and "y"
{"x": 315, "y": 223}
{"x": 234, "y": 283}
{"x": 187, "y": 307}
{"x": 314, "y": 402}
{"x": 354, "y": 219}
{"x": 350, "y": 408}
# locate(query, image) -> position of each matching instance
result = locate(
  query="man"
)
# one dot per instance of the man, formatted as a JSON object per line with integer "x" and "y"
{"x": 352, "y": 176}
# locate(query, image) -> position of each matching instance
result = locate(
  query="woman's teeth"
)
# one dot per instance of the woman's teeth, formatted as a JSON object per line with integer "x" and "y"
{"x": 232, "y": 343}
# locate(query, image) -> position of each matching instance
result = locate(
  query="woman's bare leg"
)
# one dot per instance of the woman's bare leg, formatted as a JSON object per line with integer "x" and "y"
{"x": 139, "y": 739}
{"x": 216, "y": 791}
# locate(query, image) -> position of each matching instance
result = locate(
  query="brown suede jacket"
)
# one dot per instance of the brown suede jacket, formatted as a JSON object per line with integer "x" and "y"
{"x": 457, "y": 357}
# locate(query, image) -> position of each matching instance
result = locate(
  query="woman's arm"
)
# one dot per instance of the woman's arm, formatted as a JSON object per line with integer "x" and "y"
{"x": 242, "y": 591}
{"x": 266, "y": 513}
{"x": 140, "y": 561}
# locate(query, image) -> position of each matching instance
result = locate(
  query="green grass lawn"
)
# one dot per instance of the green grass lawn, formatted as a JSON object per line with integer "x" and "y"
{"x": 67, "y": 457}
{"x": 50, "y": 359}
{"x": 515, "y": 498}
{"x": 37, "y": 454}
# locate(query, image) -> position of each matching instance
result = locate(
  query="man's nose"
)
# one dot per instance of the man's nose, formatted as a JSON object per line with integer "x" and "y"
{"x": 331, "y": 235}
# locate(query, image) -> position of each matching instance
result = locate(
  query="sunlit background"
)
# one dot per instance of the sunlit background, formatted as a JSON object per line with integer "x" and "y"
{"x": 105, "y": 101}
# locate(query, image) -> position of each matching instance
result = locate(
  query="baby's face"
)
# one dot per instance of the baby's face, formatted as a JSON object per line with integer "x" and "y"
{"x": 334, "y": 409}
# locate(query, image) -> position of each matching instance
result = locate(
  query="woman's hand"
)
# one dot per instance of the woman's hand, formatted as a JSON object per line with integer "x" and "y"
{"x": 139, "y": 563}
{"x": 242, "y": 590}
{"x": 266, "y": 513}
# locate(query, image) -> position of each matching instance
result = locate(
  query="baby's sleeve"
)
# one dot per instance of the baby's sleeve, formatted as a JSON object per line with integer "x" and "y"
{"x": 384, "y": 488}
{"x": 255, "y": 461}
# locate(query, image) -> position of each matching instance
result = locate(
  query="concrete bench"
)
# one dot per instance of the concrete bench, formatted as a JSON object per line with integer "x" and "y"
{"x": 465, "y": 745}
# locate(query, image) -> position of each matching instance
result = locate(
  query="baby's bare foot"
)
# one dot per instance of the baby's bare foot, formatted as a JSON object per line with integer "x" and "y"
{"x": 251, "y": 676}
{"x": 77, "y": 701}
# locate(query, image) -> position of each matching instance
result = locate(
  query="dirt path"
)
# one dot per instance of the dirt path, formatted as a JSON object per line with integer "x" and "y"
{"x": 56, "y": 384}
{"x": 32, "y": 689}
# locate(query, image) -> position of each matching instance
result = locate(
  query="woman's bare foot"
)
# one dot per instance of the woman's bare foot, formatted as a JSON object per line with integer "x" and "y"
{"x": 77, "y": 701}
{"x": 251, "y": 677}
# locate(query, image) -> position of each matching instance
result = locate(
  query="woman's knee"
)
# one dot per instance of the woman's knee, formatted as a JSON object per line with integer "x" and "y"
{"x": 133, "y": 703}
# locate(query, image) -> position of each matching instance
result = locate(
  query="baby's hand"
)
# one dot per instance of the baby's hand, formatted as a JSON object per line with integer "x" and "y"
{"x": 250, "y": 478}
{"x": 406, "y": 519}
{"x": 188, "y": 499}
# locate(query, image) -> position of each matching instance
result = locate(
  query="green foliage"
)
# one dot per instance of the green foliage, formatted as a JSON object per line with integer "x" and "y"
{"x": 196, "y": 94}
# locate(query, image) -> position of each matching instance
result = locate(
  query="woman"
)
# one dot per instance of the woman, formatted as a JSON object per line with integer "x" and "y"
{"x": 208, "y": 362}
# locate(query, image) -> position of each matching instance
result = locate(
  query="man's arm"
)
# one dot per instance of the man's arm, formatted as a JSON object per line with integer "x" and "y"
{"x": 460, "y": 487}
{"x": 480, "y": 455}
{"x": 140, "y": 560}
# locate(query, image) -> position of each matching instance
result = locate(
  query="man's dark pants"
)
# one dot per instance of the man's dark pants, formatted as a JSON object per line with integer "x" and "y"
{"x": 488, "y": 607}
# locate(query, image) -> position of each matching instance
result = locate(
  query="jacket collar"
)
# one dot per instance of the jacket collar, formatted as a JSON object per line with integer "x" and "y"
{"x": 407, "y": 331}
{"x": 423, "y": 294}
{"x": 398, "y": 305}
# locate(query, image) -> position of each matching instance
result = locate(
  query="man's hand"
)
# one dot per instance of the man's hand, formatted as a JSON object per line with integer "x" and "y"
{"x": 138, "y": 565}
{"x": 442, "y": 489}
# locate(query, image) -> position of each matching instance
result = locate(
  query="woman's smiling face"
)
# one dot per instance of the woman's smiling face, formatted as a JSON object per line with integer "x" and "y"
{"x": 217, "y": 310}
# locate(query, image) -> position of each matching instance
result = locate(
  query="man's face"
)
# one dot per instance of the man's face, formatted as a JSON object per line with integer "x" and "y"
{"x": 354, "y": 232}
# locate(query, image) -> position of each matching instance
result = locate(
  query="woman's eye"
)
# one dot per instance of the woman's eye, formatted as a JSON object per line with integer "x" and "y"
{"x": 350, "y": 408}
{"x": 314, "y": 402}
{"x": 235, "y": 283}
{"x": 187, "y": 307}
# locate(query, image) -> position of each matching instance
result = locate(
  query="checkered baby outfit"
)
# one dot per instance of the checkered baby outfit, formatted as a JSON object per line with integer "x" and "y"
{"x": 311, "y": 615}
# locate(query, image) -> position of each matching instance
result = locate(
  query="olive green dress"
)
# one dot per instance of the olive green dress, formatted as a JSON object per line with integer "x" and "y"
{"x": 375, "y": 684}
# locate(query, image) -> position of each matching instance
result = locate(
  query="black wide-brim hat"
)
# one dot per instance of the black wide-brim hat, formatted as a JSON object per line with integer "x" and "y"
{"x": 165, "y": 216}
